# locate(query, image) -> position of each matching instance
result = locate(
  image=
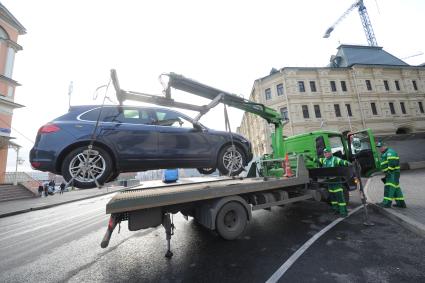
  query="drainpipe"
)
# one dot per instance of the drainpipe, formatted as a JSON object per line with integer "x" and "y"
{"x": 358, "y": 98}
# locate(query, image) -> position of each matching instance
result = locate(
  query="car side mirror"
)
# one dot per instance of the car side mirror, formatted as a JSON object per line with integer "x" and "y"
{"x": 198, "y": 127}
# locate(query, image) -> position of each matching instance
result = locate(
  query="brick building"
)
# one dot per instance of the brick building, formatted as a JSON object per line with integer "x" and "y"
{"x": 10, "y": 29}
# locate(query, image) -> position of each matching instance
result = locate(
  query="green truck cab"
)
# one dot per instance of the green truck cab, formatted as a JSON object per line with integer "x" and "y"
{"x": 358, "y": 146}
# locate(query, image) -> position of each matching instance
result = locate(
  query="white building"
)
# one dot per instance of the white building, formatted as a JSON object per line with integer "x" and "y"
{"x": 363, "y": 87}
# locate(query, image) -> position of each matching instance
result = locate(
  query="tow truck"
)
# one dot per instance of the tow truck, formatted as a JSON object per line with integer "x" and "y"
{"x": 287, "y": 175}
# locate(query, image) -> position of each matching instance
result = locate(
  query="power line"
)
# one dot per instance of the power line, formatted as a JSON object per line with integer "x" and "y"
{"x": 6, "y": 123}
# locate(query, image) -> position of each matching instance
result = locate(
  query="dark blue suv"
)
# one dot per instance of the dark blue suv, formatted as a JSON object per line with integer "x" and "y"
{"x": 131, "y": 139}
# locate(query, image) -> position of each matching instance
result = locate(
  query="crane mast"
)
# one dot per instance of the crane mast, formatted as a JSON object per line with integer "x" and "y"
{"x": 364, "y": 16}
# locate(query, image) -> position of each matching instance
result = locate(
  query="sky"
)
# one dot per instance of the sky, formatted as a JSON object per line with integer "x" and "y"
{"x": 224, "y": 44}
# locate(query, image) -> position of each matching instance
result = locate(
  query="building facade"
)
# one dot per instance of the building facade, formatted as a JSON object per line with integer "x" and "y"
{"x": 10, "y": 29}
{"x": 363, "y": 87}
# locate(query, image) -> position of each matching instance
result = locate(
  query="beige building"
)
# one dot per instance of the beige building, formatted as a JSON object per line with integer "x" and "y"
{"x": 10, "y": 29}
{"x": 363, "y": 87}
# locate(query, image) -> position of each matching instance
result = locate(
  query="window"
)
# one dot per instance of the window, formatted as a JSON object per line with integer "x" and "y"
{"x": 3, "y": 34}
{"x": 397, "y": 85}
{"x": 118, "y": 115}
{"x": 386, "y": 85}
{"x": 343, "y": 86}
{"x": 301, "y": 87}
{"x": 337, "y": 110}
{"x": 279, "y": 89}
{"x": 373, "y": 106}
{"x": 268, "y": 94}
{"x": 348, "y": 106}
{"x": 333, "y": 86}
{"x": 305, "y": 112}
{"x": 421, "y": 107}
{"x": 392, "y": 110}
{"x": 284, "y": 113}
{"x": 403, "y": 108}
{"x": 313, "y": 86}
{"x": 415, "y": 86}
{"x": 172, "y": 119}
{"x": 368, "y": 85}
{"x": 337, "y": 147}
{"x": 8, "y": 69}
{"x": 317, "y": 111}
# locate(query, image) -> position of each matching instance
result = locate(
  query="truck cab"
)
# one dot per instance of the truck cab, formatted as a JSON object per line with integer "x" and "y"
{"x": 358, "y": 146}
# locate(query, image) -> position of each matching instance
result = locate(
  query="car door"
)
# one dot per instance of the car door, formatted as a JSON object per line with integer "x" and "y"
{"x": 130, "y": 130}
{"x": 181, "y": 143}
{"x": 363, "y": 149}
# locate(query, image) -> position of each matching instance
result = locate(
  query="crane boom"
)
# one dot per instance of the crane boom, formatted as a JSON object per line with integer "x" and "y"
{"x": 188, "y": 85}
{"x": 364, "y": 16}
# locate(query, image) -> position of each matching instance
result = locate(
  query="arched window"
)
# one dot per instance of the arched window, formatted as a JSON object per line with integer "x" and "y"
{"x": 3, "y": 34}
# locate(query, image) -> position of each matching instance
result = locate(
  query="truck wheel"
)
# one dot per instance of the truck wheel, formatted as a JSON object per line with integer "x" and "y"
{"x": 206, "y": 171}
{"x": 231, "y": 220}
{"x": 231, "y": 159}
{"x": 98, "y": 167}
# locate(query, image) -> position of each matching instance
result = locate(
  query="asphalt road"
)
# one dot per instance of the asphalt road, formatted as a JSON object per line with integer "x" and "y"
{"x": 62, "y": 244}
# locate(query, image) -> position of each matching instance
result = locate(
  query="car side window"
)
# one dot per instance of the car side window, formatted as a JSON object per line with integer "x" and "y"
{"x": 107, "y": 114}
{"x": 136, "y": 116}
{"x": 172, "y": 119}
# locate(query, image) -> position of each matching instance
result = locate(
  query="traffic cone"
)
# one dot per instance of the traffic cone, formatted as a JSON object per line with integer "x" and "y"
{"x": 288, "y": 170}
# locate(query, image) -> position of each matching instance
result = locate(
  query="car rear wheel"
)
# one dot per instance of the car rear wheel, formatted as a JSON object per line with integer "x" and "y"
{"x": 231, "y": 160}
{"x": 206, "y": 171}
{"x": 87, "y": 167}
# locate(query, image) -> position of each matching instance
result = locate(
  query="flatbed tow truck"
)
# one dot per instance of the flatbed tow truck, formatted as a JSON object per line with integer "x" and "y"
{"x": 224, "y": 205}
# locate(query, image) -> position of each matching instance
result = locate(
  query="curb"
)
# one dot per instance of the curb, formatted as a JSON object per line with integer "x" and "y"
{"x": 408, "y": 223}
{"x": 57, "y": 204}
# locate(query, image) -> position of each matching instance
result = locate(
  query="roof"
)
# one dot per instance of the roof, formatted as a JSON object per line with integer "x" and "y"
{"x": 9, "y": 18}
{"x": 349, "y": 55}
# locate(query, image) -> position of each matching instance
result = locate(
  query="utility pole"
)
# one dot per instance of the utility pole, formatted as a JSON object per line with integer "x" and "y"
{"x": 70, "y": 89}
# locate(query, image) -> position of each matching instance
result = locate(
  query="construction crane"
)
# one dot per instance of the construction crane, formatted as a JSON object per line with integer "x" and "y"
{"x": 367, "y": 26}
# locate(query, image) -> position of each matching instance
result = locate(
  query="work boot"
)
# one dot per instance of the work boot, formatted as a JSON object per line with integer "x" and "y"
{"x": 400, "y": 205}
{"x": 381, "y": 204}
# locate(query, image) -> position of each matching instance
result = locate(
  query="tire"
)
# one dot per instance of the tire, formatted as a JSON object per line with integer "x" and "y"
{"x": 231, "y": 220}
{"x": 114, "y": 175}
{"x": 85, "y": 179}
{"x": 231, "y": 158}
{"x": 206, "y": 171}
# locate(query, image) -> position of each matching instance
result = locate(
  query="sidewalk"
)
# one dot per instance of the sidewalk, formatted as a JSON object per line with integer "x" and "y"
{"x": 412, "y": 183}
{"x": 12, "y": 207}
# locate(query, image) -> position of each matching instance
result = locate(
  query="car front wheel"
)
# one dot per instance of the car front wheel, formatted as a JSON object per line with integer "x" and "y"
{"x": 231, "y": 160}
{"x": 89, "y": 168}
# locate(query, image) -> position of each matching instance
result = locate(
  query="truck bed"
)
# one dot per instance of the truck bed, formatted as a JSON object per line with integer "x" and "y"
{"x": 142, "y": 198}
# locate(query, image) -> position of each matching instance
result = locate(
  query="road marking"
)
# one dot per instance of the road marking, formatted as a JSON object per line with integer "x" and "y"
{"x": 288, "y": 263}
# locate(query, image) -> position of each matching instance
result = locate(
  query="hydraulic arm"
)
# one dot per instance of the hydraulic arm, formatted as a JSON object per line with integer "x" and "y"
{"x": 269, "y": 114}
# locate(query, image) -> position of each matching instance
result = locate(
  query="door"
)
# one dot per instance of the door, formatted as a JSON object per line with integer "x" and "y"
{"x": 181, "y": 143}
{"x": 130, "y": 130}
{"x": 363, "y": 149}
